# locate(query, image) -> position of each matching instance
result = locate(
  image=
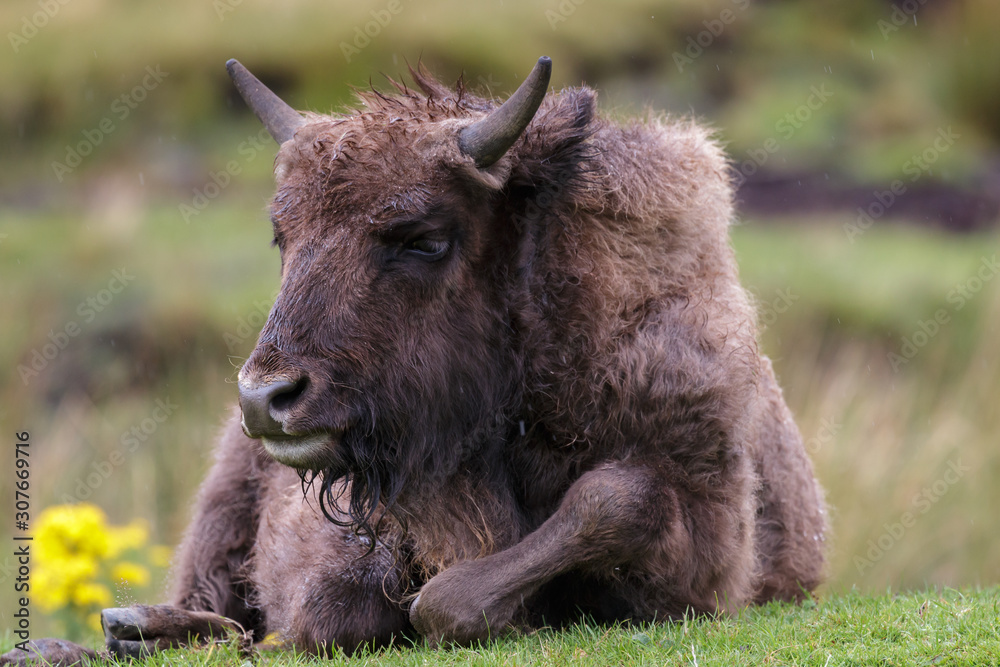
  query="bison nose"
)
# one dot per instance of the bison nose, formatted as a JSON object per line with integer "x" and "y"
{"x": 265, "y": 406}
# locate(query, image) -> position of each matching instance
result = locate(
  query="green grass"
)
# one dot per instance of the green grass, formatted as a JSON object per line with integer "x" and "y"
{"x": 946, "y": 627}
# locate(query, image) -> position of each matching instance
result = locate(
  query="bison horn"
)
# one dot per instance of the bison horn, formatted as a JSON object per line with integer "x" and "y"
{"x": 486, "y": 140}
{"x": 280, "y": 119}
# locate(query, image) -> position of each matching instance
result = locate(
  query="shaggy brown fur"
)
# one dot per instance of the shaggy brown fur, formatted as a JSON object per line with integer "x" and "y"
{"x": 564, "y": 413}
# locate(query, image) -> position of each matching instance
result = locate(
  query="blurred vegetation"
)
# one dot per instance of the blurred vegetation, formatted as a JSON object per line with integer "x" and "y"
{"x": 166, "y": 308}
{"x": 895, "y": 76}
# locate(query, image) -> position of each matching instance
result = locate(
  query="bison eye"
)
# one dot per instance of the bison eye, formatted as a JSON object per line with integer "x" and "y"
{"x": 426, "y": 249}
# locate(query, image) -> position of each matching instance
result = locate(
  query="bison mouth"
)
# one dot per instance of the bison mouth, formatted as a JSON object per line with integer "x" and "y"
{"x": 309, "y": 451}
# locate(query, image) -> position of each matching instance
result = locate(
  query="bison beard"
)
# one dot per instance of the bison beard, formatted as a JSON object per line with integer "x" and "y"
{"x": 417, "y": 451}
{"x": 510, "y": 378}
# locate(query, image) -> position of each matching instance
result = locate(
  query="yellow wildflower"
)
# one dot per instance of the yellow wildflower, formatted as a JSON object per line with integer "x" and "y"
{"x": 94, "y": 622}
{"x": 160, "y": 556}
{"x": 132, "y": 536}
{"x": 272, "y": 640}
{"x": 132, "y": 573}
{"x": 79, "y": 559}
{"x": 48, "y": 590}
{"x": 90, "y": 594}
{"x": 53, "y": 582}
{"x": 64, "y": 531}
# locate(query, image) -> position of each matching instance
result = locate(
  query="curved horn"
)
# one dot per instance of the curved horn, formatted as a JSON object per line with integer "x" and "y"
{"x": 280, "y": 119}
{"x": 486, "y": 140}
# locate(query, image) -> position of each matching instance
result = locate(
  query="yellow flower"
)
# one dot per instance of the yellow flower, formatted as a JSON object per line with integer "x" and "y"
{"x": 160, "y": 555}
{"x": 77, "y": 556}
{"x": 132, "y": 536}
{"x": 76, "y": 569}
{"x": 94, "y": 622}
{"x": 271, "y": 641}
{"x": 64, "y": 531}
{"x": 89, "y": 594}
{"x": 134, "y": 574}
{"x": 54, "y": 583}
{"x": 48, "y": 590}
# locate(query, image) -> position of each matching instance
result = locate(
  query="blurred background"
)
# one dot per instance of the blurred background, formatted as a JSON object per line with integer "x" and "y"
{"x": 865, "y": 135}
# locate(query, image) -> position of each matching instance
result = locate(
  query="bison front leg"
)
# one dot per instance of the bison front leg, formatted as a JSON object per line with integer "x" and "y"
{"x": 615, "y": 516}
{"x": 138, "y": 631}
{"x": 50, "y": 652}
{"x": 131, "y": 632}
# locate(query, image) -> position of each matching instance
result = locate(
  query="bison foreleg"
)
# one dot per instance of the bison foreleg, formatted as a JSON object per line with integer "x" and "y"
{"x": 50, "y": 652}
{"x": 609, "y": 517}
{"x": 140, "y": 630}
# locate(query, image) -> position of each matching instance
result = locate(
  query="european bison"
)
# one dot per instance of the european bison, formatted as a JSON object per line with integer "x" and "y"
{"x": 510, "y": 378}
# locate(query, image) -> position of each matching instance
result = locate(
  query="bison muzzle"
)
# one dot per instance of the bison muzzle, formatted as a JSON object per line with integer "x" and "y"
{"x": 510, "y": 379}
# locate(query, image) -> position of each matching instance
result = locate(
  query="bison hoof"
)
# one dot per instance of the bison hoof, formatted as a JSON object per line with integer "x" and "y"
{"x": 454, "y": 608}
{"x": 127, "y": 633}
{"x": 123, "y": 623}
{"x": 55, "y": 652}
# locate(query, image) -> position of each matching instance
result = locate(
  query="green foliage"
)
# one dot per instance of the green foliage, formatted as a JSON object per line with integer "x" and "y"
{"x": 877, "y": 284}
{"x": 895, "y": 79}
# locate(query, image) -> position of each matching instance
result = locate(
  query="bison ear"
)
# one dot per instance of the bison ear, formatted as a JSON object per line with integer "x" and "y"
{"x": 556, "y": 148}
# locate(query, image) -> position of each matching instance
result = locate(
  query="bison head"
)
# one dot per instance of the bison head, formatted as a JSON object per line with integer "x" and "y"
{"x": 389, "y": 355}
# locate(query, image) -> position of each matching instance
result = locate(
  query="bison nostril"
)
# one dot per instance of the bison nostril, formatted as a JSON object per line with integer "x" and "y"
{"x": 285, "y": 397}
{"x": 264, "y": 406}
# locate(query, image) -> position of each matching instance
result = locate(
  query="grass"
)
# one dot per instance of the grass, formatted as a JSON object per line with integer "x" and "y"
{"x": 932, "y": 627}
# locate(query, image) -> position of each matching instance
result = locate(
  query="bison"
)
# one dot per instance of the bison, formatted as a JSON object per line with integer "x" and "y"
{"x": 510, "y": 379}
